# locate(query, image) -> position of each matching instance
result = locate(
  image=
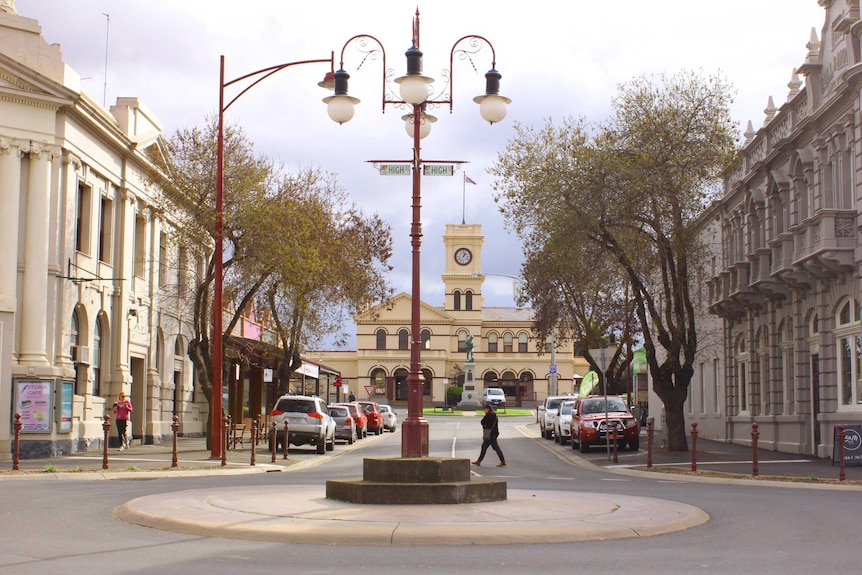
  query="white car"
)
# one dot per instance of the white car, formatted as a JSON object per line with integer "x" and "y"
{"x": 308, "y": 420}
{"x": 546, "y": 413}
{"x": 390, "y": 419}
{"x": 563, "y": 422}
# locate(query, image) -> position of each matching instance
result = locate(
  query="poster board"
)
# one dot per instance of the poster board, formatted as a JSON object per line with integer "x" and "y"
{"x": 852, "y": 444}
{"x": 66, "y": 396}
{"x": 34, "y": 400}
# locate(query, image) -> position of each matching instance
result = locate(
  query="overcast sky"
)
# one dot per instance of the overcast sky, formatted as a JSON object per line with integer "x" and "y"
{"x": 558, "y": 59}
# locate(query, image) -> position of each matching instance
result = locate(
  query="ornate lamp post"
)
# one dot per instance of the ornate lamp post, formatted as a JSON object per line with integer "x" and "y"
{"x": 415, "y": 93}
{"x": 254, "y": 78}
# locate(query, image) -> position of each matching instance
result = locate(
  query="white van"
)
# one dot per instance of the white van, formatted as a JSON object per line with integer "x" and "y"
{"x": 494, "y": 396}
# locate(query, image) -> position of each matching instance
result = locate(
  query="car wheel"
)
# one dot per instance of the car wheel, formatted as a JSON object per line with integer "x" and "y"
{"x": 582, "y": 446}
{"x": 331, "y": 445}
{"x": 634, "y": 444}
{"x": 556, "y": 437}
{"x": 379, "y": 430}
{"x": 542, "y": 431}
{"x": 563, "y": 439}
{"x": 321, "y": 445}
{"x": 350, "y": 439}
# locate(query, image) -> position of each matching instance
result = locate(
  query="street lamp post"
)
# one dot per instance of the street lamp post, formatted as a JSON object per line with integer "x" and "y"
{"x": 414, "y": 89}
{"x": 217, "y": 358}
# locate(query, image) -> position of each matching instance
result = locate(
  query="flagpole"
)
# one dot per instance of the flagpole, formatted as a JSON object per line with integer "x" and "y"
{"x": 464, "y": 198}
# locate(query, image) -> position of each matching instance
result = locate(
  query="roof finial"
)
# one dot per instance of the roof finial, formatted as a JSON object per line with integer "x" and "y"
{"x": 794, "y": 85}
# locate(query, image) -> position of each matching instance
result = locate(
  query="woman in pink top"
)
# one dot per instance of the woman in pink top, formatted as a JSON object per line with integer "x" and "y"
{"x": 123, "y": 410}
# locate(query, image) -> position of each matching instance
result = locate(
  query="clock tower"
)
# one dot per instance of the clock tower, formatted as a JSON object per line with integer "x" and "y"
{"x": 463, "y": 273}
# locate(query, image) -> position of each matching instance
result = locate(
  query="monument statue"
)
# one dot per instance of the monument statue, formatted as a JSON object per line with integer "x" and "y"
{"x": 468, "y": 347}
{"x": 8, "y": 6}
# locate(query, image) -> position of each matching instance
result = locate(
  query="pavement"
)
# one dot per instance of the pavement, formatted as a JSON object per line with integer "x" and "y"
{"x": 303, "y": 514}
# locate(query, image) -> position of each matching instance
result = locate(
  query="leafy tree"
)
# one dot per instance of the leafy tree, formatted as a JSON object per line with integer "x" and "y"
{"x": 623, "y": 199}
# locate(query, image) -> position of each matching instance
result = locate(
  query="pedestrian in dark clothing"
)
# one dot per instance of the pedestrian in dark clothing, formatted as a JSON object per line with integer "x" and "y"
{"x": 352, "y": 397}
{"x": 490, "y": 432}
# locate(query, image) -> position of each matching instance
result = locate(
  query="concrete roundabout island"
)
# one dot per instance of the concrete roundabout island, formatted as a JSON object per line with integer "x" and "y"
{"x": 303, "y": 514}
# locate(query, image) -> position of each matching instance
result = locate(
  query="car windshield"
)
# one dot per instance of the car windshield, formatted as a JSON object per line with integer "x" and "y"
{"x": 295, "y": 405}
{"x": 338, "y": 411}
{"x": 495, "y": 392}
{"x": 566, "y": 409}
{"x": 598, "y": 406}
{"x": 554, "y": 404}
{"x": 369, "y": 406}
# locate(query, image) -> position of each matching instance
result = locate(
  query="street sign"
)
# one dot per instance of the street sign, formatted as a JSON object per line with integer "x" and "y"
{"x": 369, "y": 389}
{"x": 394, "y": 169}
{"x": 438, "y": 170}
{"x": 553, "y": 368}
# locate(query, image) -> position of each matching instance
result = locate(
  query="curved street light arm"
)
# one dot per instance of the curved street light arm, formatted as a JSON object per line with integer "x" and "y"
{"x": 267, "y": 73}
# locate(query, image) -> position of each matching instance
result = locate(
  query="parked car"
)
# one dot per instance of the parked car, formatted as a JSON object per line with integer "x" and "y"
{"x": 359, "y": 418}
{"x": 594, "y": 419}
{"x": 375, "y": 418}
{"x": 546, "y": 414}
{"x": 390, "y": 419}
{"x": 494, "y": 396}
{"x": 308, "y": 421}
{"x": 563, "y": 422}
{"x": 345, "y": 428}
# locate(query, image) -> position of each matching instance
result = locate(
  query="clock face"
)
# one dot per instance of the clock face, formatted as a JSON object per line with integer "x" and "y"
{"x": 463, "y": 256}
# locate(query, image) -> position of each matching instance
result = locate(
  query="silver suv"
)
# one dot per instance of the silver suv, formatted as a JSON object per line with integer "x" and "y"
{"x": 308, "y": 422}
{"x": 547, "y": 411}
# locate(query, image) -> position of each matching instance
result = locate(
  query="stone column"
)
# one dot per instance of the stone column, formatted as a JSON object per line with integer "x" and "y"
{"x": 11, "y": 152}
{"x": 34, "y": 331}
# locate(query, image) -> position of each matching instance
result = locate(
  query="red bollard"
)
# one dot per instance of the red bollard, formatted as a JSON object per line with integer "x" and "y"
{"x": 224, "y": 439}
{"x": 253, "y": 440}
{"x": 693, "y": 446}
{"x": 842, "y": 475}
{"x": 272, "y": 436}
{"x": 755, "y": 469}
{"x": 106, "y": 429}
{"x": 616, "y": 438}
{"x": 650, "y": 421}
{"x": 175, "y": 428}
{"x": 17, "y": 426}
{"x": 285, "y": 438}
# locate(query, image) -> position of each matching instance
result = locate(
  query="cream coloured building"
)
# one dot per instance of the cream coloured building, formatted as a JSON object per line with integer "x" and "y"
{"x": 505, "y": 352}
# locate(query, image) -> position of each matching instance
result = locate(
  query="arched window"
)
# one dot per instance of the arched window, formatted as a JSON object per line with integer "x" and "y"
{"x": 456, "y": 295}
{"x": 73, "y": 337}
{"x": 381, "y": 338}
{"x": 849, "y": 341}
{"x": 468, "y": 300}
{"x": 507, "y": 342}
{"x": 403, "y": 339}
{"x": 97, "y": 357}
{"x": 462, "y": 340}
{"x": 492, "y": 342}
{"x": 523, "y": 341}
{"x": 742, "y": 359}
{"x": 426, "y": 338}
{"x": 429, "y": 380}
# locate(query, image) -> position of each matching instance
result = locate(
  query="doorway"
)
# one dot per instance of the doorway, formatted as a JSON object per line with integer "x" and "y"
{"x": 139, "y": 399}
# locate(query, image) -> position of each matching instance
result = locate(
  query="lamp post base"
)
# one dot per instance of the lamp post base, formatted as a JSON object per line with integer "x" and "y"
{"x": 414, "y": 438}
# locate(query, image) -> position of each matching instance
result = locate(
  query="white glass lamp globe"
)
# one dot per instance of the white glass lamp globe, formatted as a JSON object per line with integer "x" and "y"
{"x": 492, "y": 107}
{"x": 424, "y": 125}
{"x": 341, "y": 107}
{"x": 413, "y": 88}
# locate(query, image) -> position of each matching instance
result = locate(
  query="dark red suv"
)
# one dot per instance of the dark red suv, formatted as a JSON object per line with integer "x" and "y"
{"x": 375, "y": 418}
{"x": 594, "y": 419}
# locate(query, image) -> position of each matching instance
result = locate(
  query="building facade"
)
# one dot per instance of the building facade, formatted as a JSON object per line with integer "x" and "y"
{"x": 90, "y": 285}
{"x": 786, "y": 281}
{"x": 505, "y": 350}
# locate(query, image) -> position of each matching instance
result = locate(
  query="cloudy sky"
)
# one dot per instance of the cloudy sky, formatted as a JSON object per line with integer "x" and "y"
{"x": 558, "y": 58}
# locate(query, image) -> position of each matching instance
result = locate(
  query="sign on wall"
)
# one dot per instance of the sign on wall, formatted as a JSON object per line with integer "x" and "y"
{"x": 33, "y": 400}
{"x": 852, "y": 444}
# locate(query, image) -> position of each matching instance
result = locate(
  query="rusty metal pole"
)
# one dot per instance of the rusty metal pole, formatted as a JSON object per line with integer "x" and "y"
{"x": 650, "y": 422}
{"x": 224, "y": 438}
{"x": 15, "y": 454}
{"x": 616, "y": 438}
{"x": 693, "y": 446}
{"x": 253, "y": 440}
{"x": 842, "y": 474}
{"x": 285, "y": 439}
{"x": 755, "y": 469}
{"x": 272, "y": 441}
{"x": 175, "y": 428}
{"x": 106, "y": 429}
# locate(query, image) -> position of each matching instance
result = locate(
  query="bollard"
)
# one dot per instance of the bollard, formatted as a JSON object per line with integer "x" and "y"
{"x": 106, "y": 429}
{"x": 285, "y": 438}
{"x": 272, "y": 437}
{"x": 650, "y": 421}
{"x": 693, "y": 446}
{"x": 253, "y": 440}
{"x": 754, "y": 464}
{"x": 175, "y": 427}
{"x": 616, "y": 438}
{"x": 17, "y": 426}
{"x": 225, "y": 434}
{"x": 842, "y": 474}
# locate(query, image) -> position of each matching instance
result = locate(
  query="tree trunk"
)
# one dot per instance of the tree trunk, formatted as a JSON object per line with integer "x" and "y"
{"x": 675, "y": 414}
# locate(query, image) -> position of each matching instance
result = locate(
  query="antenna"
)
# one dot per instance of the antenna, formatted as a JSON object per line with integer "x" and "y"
{"x": 107, "y": 35}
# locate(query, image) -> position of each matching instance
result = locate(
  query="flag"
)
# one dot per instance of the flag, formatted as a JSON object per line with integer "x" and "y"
{"x": 468, "y": 180}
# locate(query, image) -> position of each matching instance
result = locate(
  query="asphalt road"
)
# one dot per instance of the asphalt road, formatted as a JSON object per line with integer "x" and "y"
{"x": 67, "y": 527}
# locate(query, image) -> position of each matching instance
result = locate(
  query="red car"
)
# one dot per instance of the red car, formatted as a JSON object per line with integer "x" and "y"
{"x": 375, "y": 418}
{"x": 594, "y": 419}
{"x": 359, "y": 418}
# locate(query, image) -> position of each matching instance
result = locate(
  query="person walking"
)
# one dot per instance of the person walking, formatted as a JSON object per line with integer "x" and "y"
{"x": 490, "y": 432}
{"x": 123, "y": 411}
